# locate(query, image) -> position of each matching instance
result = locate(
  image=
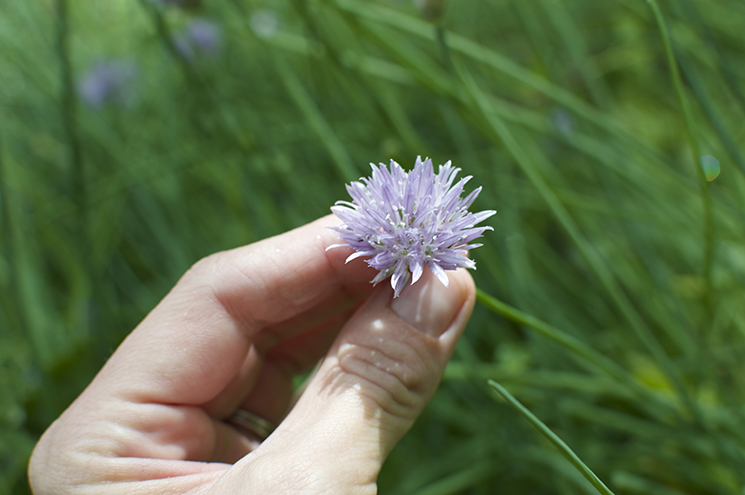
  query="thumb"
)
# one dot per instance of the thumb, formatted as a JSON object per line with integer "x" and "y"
{"x": 374, "y": 382}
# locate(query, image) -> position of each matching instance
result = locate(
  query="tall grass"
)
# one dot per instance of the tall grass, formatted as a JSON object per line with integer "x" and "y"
{"x": 612, "y": 300}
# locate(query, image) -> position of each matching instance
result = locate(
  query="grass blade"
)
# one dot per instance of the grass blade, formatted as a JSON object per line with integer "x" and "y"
{"x": 553, "y": 438}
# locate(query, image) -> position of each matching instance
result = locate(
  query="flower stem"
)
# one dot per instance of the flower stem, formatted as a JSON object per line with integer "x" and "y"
{"x": 576, "y": 346}
{"x": 705, "y": 189}
{"x": 553, "y": 438}
{"x": 68, "y": 113}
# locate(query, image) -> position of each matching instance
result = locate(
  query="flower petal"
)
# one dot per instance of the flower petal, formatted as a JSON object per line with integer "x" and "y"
{"x": 439, "y": 273}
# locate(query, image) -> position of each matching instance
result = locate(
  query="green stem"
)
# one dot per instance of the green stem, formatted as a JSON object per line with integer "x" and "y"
{"x": 571, "y": 343}
{"x": 68, "y": 112}
{"x": 442, "y": 45}
{"x": 316, "y": 120}
{"x": 695, "y": 149}
{"x": 78, "y": 175}
{"x": 553, "y": 438}
{"x": 7, "y": 242}
{"x": 496, "y": 125}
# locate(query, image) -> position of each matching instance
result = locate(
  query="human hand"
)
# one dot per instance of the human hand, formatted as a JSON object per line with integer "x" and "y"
{"x": 232, "y": 334}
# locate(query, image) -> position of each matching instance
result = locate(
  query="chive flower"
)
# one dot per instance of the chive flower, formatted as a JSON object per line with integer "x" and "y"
{"x": 108, "y": 81}
{"x": 201, "y": 37}
{"x": 402, "y": 221}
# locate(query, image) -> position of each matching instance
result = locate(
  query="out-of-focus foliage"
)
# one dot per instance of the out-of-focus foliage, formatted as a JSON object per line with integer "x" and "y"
{"x": 138, "y": 136}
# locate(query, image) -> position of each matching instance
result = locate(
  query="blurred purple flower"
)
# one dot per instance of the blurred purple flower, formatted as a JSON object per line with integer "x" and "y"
{"x": 201, "y": 37}
{"x": 404, "y": 221}
{"x": 108, "y": 82}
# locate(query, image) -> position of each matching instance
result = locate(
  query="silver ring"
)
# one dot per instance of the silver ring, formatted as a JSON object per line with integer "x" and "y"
{"x": 249, "y": 422}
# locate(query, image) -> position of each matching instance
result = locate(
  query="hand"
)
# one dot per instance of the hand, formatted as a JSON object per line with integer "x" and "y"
{"x": 232, "y": 334}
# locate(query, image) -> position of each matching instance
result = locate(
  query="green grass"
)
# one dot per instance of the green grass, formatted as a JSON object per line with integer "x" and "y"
{"x": 612, "y": 299}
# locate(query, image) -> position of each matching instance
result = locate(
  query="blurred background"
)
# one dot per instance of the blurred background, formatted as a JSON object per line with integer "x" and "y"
{"x": 137, "y": 136}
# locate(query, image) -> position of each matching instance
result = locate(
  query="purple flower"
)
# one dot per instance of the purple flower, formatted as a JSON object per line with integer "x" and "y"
{"x": 200, "y": 36}
{"x": 108, "y": 82}
{"x": 403, "y": 221}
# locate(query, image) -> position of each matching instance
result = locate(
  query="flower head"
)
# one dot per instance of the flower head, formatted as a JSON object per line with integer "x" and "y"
{"x": 201, "y": 37}
{"x": 108, "y": 81}
{"x": 403, "y": 221}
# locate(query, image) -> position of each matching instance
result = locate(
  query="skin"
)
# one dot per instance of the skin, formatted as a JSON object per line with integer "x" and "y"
{"x": 231, "y": 334}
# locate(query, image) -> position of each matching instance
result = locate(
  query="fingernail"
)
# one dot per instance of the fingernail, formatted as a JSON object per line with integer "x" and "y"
{"x": 428, "y": 305}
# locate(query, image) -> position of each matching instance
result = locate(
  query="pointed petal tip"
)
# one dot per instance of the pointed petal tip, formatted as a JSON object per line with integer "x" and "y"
{"x": 354, "y": 255}
{"x": 439, "y": 272}
{"x": 416, "y": 272}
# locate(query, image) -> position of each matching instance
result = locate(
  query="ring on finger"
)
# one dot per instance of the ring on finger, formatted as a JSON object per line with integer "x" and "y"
{"x": 255, "y": 425}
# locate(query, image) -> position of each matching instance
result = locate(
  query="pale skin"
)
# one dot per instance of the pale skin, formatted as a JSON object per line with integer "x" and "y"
{"x": 231, "y": 334}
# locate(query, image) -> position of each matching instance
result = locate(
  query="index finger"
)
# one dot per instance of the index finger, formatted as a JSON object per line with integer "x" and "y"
{"x": 196, "y": 339}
